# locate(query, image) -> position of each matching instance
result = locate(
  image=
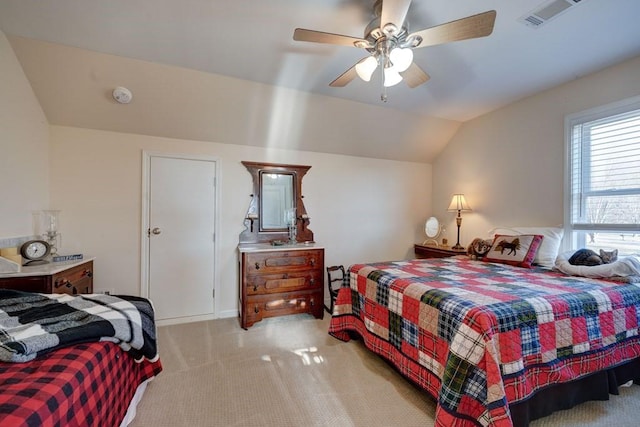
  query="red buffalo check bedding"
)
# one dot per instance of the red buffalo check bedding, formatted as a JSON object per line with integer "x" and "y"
{"x": 479, "y": 336}
{"x": 83, "y": 385}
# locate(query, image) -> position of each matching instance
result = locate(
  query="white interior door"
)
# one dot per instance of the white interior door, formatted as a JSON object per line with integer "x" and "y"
{"x": 181, "y": 236}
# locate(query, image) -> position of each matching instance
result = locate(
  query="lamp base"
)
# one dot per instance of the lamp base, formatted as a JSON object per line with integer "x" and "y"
{"x": 457, "y": 247}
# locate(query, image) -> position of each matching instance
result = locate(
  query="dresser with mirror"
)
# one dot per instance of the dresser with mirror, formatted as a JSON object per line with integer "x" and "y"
{"x": 280, "y": 265}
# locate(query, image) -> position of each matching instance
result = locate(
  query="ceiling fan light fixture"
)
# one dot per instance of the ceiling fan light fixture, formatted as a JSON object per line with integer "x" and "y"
{"x": 401, "y": 58}
{"x": 366, "y": 67}
{"x": 388, "y": 40}
{"x": 391, "y": 77}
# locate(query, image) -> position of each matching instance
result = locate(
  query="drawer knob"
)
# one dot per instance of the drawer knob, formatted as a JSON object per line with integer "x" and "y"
{"x": 257, "y": 266}
{"x": 62, "y": 282}
{"x": 88, "y": 273}
{"x": 255, "y": 288}
{"x": 312, "y": 281}
{"x": 255, "y": 309}
{"x": 313, "y": 262}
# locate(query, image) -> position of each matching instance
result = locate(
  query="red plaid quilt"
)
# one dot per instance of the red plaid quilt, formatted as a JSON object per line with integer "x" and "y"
{"x": 479, "y": 336}
{"x": 82, "y": 385}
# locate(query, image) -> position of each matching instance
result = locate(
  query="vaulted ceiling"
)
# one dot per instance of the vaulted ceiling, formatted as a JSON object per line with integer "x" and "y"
{"x": 251, "y": 40}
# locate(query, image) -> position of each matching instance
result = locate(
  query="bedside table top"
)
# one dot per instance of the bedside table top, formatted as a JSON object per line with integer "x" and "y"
{"x": 429, "y": 251}
{"x": 48, "y": 269}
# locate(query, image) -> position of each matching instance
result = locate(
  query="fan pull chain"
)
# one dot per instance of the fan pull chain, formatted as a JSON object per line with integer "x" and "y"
{"x": 383, "y": 94}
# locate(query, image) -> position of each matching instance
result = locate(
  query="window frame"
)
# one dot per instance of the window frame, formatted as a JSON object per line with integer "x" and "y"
{"x": 570, "y": 242}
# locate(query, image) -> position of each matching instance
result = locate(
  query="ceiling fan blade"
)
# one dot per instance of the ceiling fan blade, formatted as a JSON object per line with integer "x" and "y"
{"x": 471, "y": 27}
{"x": 345, "y": 78}
{"x": 394, "y": 12}
{"x": 300, "y": 34}
{"x": 414, "y": 76}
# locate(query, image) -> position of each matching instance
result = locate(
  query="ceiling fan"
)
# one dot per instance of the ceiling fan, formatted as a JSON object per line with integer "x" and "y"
{"x": 389, "y": 42}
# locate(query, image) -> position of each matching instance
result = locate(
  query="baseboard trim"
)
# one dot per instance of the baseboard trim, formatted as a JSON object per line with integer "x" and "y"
{"x": 228, "y": 313}
{"x": 200, "y": 318}
{"x": 186, "y": 319}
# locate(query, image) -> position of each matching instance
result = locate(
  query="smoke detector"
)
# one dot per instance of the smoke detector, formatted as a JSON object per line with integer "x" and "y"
{"x": 122, "y": 95}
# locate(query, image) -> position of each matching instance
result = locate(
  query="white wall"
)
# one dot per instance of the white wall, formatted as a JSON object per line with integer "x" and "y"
{"x": 509, "y": 163}
{"x": 24, "y": 148}
{"x": 361, "y": 209}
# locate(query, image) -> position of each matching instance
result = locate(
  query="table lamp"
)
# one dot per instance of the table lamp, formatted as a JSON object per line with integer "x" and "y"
{"x": 458, "y": 203}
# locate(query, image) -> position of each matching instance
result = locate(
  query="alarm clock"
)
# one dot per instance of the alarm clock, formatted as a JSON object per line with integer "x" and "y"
{"x": 35, "y": 251}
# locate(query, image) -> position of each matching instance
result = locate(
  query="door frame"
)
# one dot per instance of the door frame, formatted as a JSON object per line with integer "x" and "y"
{"x": 144, "y": 238}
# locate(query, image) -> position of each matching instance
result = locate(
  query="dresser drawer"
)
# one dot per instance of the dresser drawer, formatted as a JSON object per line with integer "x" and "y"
{"x": 284, "y": 282}
{"x": 77, "y": 280}
{"x": 263, "y": 306}
{"x": 279, "y": 261}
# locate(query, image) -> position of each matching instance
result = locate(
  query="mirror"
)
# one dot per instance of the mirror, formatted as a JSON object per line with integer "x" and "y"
{"x": 277, "y": 201}
{"x": 276, "y": 204}
{"x": 432, "y": 229}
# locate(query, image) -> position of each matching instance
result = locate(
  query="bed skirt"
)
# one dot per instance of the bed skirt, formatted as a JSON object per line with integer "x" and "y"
{"x": 88, "y": 384}
{"x": 596, "y": 386}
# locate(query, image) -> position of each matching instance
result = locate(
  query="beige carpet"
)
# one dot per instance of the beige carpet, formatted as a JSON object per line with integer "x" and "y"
{"x": 289, "y": 372}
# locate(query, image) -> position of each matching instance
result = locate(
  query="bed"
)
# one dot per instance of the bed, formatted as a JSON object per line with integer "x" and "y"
{"x": 494, "y": 344}
{"x": 74, "y": 360}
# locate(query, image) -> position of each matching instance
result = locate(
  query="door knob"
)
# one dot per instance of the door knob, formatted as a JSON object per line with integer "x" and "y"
{"x": 156, "y": 230}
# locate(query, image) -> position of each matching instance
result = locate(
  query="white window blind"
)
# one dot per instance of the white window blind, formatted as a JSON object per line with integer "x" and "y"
{"x": 604, "y": 177}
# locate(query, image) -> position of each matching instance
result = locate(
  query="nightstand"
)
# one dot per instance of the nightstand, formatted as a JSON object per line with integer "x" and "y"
{"x": 425, "y": 251}
{"x": 68, "y": 277}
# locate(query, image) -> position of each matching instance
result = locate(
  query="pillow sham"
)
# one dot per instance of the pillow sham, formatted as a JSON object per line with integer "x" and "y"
{"x": 550, "y": 246}
{"x": 516, "y": 249}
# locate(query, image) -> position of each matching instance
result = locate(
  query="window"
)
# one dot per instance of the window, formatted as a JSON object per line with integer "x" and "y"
{"x": 603, "y": 178}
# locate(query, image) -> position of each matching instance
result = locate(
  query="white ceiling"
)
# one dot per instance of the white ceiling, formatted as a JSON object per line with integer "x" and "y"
{"x": 252, "y": 40}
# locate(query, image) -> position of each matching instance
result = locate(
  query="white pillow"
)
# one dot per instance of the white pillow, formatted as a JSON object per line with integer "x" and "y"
{"x": 548, "y": 251}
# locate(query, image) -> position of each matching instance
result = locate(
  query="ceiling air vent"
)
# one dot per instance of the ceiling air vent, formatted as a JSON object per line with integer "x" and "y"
{"x": 547, "y": 11}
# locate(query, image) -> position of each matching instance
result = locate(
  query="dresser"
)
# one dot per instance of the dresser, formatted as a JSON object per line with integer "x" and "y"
{"x": 71, "y": 277}
{"x": 277, "y": 281}
{"x": 426, "y": 251}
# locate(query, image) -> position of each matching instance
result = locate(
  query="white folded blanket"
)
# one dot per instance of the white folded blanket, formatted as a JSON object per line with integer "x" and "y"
{"x": 627, "y": 267}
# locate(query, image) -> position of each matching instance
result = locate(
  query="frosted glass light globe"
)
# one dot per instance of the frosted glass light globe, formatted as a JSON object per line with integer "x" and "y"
{"x": 391, "y": 77}
{"x": 366, "y": 67}
{"x": 401, "y": 58}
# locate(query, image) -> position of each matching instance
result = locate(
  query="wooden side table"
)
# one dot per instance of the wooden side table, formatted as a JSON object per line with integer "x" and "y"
{"x": 71, "y": 278}
{"x": 426, "y": 251}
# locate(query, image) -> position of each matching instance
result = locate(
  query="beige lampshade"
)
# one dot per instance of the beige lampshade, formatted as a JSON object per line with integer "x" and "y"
{"x": 459, "y": 203}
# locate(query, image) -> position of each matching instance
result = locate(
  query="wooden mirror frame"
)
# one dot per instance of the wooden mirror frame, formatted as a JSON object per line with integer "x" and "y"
{"x": 252, "y": 232}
